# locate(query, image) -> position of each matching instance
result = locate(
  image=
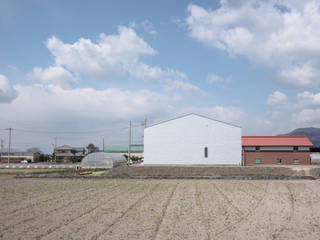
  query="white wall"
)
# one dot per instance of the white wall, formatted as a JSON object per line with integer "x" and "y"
{"x": 315, "y": 157}
{"x": 182, "y": 141}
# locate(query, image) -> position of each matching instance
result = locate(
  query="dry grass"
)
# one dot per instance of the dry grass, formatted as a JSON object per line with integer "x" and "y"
{"x": 158, "y": 209}
{"x": 11, "y": 173}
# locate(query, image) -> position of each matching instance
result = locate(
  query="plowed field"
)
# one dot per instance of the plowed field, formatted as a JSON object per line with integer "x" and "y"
{"x": 158, "y": 209}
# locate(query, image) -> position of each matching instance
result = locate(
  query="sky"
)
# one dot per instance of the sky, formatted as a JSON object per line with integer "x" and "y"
{"x": 79, "y": 71}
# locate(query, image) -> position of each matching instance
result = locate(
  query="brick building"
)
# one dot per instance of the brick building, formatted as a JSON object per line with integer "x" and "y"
{"x": 275, "y": 150}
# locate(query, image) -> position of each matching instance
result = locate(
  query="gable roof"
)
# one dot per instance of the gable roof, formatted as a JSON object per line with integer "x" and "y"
{"x": 195, "y": 114}
{"x": 276, "y": 141}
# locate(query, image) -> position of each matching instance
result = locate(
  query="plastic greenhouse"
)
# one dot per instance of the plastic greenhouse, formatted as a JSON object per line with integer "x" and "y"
{"x": 103, "y": 160}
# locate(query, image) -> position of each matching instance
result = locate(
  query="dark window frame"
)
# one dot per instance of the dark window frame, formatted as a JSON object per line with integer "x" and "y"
{"x": 257, "y": 148}
{"x": 206, "y": 152}
{"x": 279, "y": 160}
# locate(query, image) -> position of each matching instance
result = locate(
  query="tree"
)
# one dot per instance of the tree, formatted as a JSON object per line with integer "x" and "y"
{"x": 44, "y": 158}
{"x": 92, "y": 148}
{"x": 33, "y": 150}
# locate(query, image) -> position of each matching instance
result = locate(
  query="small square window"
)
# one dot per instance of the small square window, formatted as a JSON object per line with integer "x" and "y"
{"x": 279, "y": 160}
{"x": 258, "y": 160}
{"x": 257, "y": 148}
{"x": 295, "y": 148}
{"x": 296, "y": 161}
{"x": 206, "y": 152}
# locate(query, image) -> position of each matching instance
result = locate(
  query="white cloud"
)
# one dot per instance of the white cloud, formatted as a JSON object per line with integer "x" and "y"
{"x": 227, "y": 114}
{"x": 111, "y": 103}
{"x": 302, "y": 111}
{"x": 146, "y": 25}
{"x": 283, "y": 35}
{"x": 172, "y": 79}
{"x": 307, "y": 117}
{"x": 102, "y": 59}
{"x": 7, "y": 93}
{"x": 54, "y": 75}
{"x": 40, "y": 106}
{"x": 308, "y": 99}
{"x": 277, "y": 98}
{"x": 114, "y": 55}
{"x": 214, "y": 78}
{"x": 300, "y": 76}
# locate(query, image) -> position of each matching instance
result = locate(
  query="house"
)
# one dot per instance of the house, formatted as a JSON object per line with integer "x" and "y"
{"x": 17, "y": 157}
{"x": 192, "y": 139}
{"x": 275, "y": 150}
{"x": 66, "y": 153}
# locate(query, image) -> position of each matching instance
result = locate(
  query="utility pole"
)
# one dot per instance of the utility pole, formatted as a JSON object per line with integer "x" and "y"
{"x": 102, "y": 144}
{"x": 129, "y": 147}
{"x": 9, "y": 129}
{"x": 145, "y": 122}
{"x": 55, "y": 146}
{"x": 1, "y": 150}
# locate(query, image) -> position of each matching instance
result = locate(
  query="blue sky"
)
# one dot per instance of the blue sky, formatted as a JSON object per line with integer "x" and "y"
{"x": 80, "y": 67}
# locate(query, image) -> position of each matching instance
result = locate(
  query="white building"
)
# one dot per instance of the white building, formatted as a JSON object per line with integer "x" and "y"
{"x": 192, "y": 139}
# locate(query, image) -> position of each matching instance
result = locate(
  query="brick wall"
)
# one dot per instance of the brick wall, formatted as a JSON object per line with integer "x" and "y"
{"x": 249, "y": 158}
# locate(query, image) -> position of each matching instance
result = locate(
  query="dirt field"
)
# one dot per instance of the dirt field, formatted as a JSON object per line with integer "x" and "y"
{"x": 158, "y": 209}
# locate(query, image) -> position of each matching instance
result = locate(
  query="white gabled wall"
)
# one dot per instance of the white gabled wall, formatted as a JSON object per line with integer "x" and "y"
{"x": 182, "y": 141}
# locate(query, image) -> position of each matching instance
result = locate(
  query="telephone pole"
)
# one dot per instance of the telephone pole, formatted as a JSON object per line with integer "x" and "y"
{"x": 145, "y": 122}
{"x": 9, "y": 129}
{"x": 129, "y": 147}
{"x": 102, "y": 144}
{"x": 55, "y": 146}
{"x": 1, "y": 150}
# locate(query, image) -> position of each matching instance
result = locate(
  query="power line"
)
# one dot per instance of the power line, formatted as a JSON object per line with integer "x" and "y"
{"x": 65, "y": 132}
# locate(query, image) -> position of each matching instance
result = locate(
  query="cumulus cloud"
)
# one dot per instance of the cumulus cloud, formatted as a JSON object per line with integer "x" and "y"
{"x": 283, "y": 35}
{"x": 7, "y": 93}
{"x": 302, "y": 111}
{"x": 114, "y": 55}
{"x": 54, "y": 75}
{"x": 277, "y": 98}
{"x": 308, "y": 99}
{"x": 102, "y": 59}
{"x": 307, "y": 117}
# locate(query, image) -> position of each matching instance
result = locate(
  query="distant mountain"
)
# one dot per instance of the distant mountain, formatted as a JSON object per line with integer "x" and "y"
{"x": 312, "y": 133}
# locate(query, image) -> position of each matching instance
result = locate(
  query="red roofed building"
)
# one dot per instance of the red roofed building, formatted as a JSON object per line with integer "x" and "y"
{"x": 275, "y": 150}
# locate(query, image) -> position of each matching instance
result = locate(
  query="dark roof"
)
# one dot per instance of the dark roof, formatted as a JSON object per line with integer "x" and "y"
{"x": 195, "y": 114}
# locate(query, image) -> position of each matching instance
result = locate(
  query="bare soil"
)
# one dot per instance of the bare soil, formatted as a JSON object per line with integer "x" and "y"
{"x": 167, "y": 171}
{"x": 159, "y": 209}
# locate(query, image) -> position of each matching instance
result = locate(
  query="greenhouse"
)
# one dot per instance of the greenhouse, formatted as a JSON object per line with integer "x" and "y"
{"x": 103, "y": 160}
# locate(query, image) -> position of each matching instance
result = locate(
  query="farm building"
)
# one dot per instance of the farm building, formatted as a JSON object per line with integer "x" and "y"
{"x": 192, "y": 139}
{"x": 18, "y": 156}
{"x": 275, "y": 150}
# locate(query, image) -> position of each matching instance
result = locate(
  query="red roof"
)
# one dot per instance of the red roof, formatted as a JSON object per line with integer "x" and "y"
{"x": 276, "y": 141}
